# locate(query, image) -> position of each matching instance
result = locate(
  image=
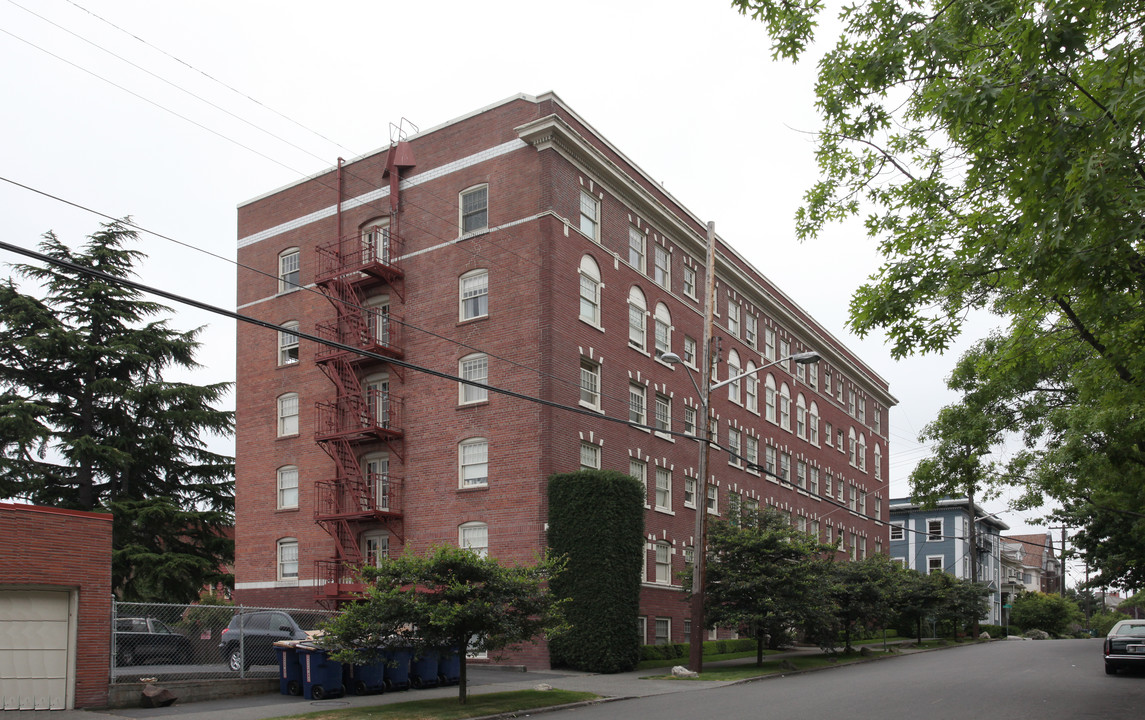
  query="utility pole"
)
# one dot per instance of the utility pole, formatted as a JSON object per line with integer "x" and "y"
{"x": 699, "y": 544}
{"x": 973, "y": 550}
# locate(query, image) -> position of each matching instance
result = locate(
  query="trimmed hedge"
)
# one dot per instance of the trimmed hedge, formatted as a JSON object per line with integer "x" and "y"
{"x": 596, "y": 520}
{"x": 682, "y": 650}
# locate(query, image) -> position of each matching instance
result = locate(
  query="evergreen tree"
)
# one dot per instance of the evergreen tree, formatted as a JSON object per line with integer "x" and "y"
{"x": 87, "y": 421}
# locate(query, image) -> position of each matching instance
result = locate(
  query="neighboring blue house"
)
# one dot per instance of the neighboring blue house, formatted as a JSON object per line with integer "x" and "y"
{"x": 938, "y": 540}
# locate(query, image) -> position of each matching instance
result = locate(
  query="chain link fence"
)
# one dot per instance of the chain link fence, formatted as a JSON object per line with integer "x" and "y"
{"x": 202, "y": 642}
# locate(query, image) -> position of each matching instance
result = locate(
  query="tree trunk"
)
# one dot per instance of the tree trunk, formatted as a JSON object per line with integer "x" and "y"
{"x": 462, "y": 695}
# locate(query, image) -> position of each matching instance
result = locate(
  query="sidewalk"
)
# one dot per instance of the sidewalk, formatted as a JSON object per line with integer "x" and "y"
{"x": 481, "y": 680}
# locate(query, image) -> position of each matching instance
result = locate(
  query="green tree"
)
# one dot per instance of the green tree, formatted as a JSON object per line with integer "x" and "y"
{"x": 762, "y": 575}
{"x": 995, "y": 150}
{"x": 450, "y": 598}
{"x": 862, "y": 596}
{"x": 1039, "y": 611}
{"x": 87, "y": 421}
{"x": 919, "y": 597}
{"x": 962, "y": 603}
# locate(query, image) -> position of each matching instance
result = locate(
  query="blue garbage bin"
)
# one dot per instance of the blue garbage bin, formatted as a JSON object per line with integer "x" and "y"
{"x": 289, "y": 670}
{"x": 366, "y": 679}
{"x": 423, "y": 670}
{"x": 448, "y": 666}
{"x": 397, "y": 668}
{"x": 321, "y": 676}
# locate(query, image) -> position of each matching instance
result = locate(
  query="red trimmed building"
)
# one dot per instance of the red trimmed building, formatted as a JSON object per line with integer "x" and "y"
{"x": 516, "y": 247}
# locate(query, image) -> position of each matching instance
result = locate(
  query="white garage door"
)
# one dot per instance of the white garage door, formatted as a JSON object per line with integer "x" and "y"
{"x": 34, "y": 637}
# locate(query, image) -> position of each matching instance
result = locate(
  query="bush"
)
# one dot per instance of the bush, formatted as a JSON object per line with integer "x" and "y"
{"x": 683, "y": 650}
{"x": 996, "y": 631}
{"x": 1103, "y": 622}
{"x": 596, "y": 521}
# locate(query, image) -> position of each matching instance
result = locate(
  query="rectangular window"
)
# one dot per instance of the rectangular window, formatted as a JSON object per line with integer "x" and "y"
{"x": 639, "y": 470}
{"x": 636, "y": 396}
{"x": 589, "y": 456}
{"x": 878, "y": 421}
{"x": 589, "y": 299}
{"x": 288, "y": 273}
{"x": 288, "y": 344}
{"x": 934, "y": 564}
{"x": 813, "y": 376}
{"x": 854, "y": 497}
{"x": 897, "y": 531}
{"x": 663, "y": 413}
{"x": 934, "y": 530}
{"x": 751, "y": 389}
{"x": 663, "y": 631}
{"x": 801, "y": 474}
{"x": 769, "y": 344}
{"x": 690, "y": 420}
{"x": 733, "y": 319}
{"x": 828, "y": 434}
{"x": 663, "y": 565}
{"x": 288, "y": 487}
{"x": 690, "y": 492}
{"x": 474, "y": 537}
{"x": 734, "y": 446}
{"x": 785, "y": 466}
{"x": 851, "y": 403}
{"x": 690, "y": 282}
{"x": 288, "y": 415}
{"x": 785, "y": 353}
{"x": 801, "y": 373}
{"x": 589, "y": 214}
{"x": 750, "y": 330}
{"x": 663, "y": 489}
{"x": 475, "y": 209}
{"x": 827, "y": 382}
{"x": 751, "y": 451}
{"x": 713, "y": 500}
{"x": 474, "y": 368}
{"x": 474, "y": 295}
{"x": 636, "y": 248}
{"x": 663, "y": 339}
{"x": 474, "y": 459}
{"x": 827, "y": 480}
{"x": 690, "y": 351}
{"x": 813, "y": 480}
{"x": 635, "y": 326}
{"x": 769, "y": 461}
{"x": 288, "y": 560}
{"x": 589, "y": 384}
{"x": 662, "y": 273}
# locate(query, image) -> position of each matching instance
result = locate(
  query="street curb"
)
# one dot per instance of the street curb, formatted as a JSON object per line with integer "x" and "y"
{"x": 555, "y": 708}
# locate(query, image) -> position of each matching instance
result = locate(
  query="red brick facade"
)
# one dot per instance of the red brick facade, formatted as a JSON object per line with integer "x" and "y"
{"x": 51, "y": 549}
{"x": 536, "y": 157}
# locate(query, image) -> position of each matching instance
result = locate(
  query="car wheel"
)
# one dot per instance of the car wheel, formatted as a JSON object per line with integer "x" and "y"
{"x": 1110, "y": 669}
{"x": 235, "y": 661}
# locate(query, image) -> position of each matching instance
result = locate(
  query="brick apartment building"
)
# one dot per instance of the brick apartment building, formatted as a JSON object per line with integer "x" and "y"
{"x": 516, "y": 247}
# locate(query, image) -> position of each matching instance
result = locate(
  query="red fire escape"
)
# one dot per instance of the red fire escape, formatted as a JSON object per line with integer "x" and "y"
{"x": 350, "y": 269}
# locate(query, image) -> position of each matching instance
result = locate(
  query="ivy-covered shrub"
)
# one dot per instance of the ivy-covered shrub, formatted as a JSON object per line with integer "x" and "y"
{"x": 596, "y": 520}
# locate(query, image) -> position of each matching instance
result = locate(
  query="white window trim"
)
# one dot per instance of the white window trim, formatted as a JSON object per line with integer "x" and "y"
{"x": 284, "y": 472}
{"x": 282, "y": 428}
{"x": 595, "y": 372}
{"x": 462, "y": 232}
{"x": 288, "y": 341}
{"x": 461, "y": 298}
{"x": 462, "y": 481}
{"x": 480, "y": 395}
{"x": 280, "y": 562}
{"x": 285, "y": 286}
{"x": 465, "y": 542}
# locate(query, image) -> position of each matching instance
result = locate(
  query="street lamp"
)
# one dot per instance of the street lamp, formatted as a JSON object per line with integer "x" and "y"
{"x": 699, "y": 551}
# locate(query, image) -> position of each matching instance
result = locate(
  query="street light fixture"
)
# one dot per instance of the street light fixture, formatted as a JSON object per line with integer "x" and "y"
{"x": 699, "y": 551}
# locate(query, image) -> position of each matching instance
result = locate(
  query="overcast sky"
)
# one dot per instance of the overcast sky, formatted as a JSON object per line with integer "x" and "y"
{"x": 685, "y": 88}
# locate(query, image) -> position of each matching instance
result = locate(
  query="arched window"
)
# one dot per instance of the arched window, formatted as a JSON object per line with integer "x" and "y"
{"x": 801, "y": 416}
{"x": 376, "y": 470}
{"x": 473, "y": 461}
{"x": 377, "y": 399}
{"x": 288, "y": 343}
{"x": 663, "y": 329}
{"x": 769, "y": 396}
{"x": 288, "y": 414}
{"x": 733, "y": 370}
{"x": 287, "y": 554}
{"x": 813, "y": 423}
{"x": 852, "y": 442}
{"x": 375, "y": 547}
{"x": 637, "y": 309}
{"x": 751, "y": 386}
{"x": 287, "y": 487}
{"x": 474, "y": 536}
{"x": 376, "y": 242}
{"x": 473, "y": 294}
{"x": 784, "y": 407}
{"x": 878, "y": 461}
{"x": 862, "y": 452}
{"x": 475, "y": 368}
{"x": 289, "y": 261}
{"x": 589, "y": 291}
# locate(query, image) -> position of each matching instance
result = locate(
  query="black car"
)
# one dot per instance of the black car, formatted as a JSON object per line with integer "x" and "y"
{"x": 141, "y": 640}
{"x": 249, "y": 638}
{"x": 1125, "y": 646}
